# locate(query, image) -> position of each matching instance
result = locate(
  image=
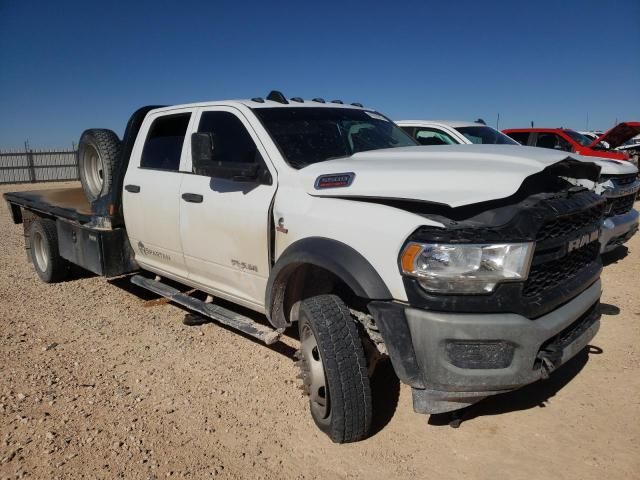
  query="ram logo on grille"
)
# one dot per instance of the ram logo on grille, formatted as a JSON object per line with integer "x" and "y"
{"x": 583, "y": 240}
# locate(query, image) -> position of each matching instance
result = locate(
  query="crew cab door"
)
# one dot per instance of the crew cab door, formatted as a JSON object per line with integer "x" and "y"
{"x": 225, "y": 224}
{"x": 151, "y": 194}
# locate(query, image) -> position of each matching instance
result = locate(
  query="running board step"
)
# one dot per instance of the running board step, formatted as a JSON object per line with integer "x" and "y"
{"x": 220, "y": 314}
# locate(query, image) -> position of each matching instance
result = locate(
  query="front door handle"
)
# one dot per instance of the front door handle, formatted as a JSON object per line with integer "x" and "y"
{"x": 132, "y": 188}
{"x": 192, "y": 197}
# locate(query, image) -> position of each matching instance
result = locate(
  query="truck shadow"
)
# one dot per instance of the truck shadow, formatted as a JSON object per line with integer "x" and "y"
{"x": 537, "y": 394}
{"x": 385, "y": 394}
{"x": 194, "y": 320}
{"x": 385, "y": 385}
{"x": 615, "y": 256}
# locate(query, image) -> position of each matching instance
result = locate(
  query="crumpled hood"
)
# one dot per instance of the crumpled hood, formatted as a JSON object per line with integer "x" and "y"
{"x": 618, "y": 135}
{"x": 453, "y": 175}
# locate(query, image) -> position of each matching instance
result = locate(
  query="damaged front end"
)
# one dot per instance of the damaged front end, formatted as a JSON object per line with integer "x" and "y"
{"x": 456, "y": 348}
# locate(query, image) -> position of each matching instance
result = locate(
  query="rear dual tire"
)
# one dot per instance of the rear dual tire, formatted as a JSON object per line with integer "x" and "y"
{"x": 43, "y": 241}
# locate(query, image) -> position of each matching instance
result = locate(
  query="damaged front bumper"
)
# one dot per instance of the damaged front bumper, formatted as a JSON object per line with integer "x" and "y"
{"x": 452, "y": 360}
{"x": 617, "y": 230}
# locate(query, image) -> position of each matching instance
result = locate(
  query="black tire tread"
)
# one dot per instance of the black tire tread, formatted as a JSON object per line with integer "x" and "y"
{"x": 109, "y": 147}
{"x": 345, "y": 368}
{"x": 58, "y": 267}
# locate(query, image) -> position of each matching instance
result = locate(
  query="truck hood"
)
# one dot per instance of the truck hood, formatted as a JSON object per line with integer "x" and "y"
{"x": 609, "y": 166}
{"x": 618, "y": 135}
{"x": 453, "y": 175}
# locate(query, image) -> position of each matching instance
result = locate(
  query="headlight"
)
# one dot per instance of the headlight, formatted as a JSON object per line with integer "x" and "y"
{"x": 466, "y": 268}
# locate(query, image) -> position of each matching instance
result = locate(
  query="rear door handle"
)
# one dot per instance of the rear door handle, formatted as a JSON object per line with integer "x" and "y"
{"x": 192, "y": 197}
{"x": 132, "y": 188}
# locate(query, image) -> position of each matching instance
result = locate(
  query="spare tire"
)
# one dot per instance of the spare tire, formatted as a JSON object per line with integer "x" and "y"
{"x": 98, "y": 158}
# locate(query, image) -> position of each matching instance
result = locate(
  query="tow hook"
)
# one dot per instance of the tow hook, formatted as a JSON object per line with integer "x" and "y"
{"x": 550, "y": 359}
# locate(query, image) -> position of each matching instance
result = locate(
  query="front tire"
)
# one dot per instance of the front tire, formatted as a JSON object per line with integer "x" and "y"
{"x": 334, "y": 369}
{"x": 43, "y": 241}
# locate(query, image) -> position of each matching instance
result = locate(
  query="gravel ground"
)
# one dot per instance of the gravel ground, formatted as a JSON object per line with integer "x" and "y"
{"x": 96, "y": 382}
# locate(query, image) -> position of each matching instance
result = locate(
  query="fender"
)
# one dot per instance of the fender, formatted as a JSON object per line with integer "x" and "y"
{"x": 338, "y": 258}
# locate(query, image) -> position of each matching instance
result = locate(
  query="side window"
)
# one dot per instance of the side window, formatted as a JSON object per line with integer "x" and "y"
{"x": 552, "y": 140}
{"x": 520, "y": 137}
{"x": 432, "y": 136}
{"x": 232, "y": 142}
{"x": 163, "y": 145}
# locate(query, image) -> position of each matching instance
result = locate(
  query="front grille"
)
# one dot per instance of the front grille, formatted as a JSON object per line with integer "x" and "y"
{"x": 621, "y": 180}
{"x": 551, "y": 274}
{"x": 565, "y": 225}
{"x": 620, "y": 205}
{"x": 566, "y": 260}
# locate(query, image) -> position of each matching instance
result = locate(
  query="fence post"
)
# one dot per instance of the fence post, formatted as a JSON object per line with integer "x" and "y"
{"x": 77, "y": 162}
{"x": 32, "y": 170}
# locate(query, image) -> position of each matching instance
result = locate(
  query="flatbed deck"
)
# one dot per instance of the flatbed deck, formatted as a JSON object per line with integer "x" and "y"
{"x": 69, "y": 203}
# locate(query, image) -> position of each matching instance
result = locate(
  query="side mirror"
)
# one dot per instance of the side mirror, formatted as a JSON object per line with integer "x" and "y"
{"x": 202, "y": 159}
{"x": 201, "y": 152}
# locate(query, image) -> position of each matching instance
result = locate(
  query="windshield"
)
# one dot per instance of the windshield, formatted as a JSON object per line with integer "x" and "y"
{"x": 578, "y": 137}
{"x": 308, "y": 135}
{"x": 486, "y": 135}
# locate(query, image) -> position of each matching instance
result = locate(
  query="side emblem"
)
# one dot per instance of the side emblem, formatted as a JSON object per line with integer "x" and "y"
{"x": 153, "y": 253}
{"x": 334, "y": 180}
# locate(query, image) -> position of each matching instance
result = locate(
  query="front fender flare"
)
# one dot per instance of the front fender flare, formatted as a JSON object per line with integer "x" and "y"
{"x": 336, "y": 257}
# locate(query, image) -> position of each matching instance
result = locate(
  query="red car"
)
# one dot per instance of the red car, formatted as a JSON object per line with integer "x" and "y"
{"x": 572, "y": 141}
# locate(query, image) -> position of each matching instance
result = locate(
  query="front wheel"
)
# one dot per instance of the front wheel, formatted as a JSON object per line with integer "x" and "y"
{"x": 334, "y": 369}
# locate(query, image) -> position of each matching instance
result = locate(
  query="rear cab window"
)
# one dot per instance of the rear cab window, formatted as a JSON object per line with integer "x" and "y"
{"x": 163, "y": 145}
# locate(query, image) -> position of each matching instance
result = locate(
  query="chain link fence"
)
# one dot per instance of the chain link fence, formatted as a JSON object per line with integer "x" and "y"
{"x": 31, "y": 166}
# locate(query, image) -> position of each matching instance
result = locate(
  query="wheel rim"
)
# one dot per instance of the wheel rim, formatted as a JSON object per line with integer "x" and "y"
{"x": 40, "y": 252}
{"x": 92, "y": 170}
{"x": 314, "y": 377}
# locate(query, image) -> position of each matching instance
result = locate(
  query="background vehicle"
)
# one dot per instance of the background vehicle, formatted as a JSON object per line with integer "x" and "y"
{"x": 632, "y": 148}
{"x": 594, "y": 135}
{"x": 618, "y": 183}
{"x": 450, "y": 132}
{"x": 571, "y": 141}
{"x": 329, "y": 216}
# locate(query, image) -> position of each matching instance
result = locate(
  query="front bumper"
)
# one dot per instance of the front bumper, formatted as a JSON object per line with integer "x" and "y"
{"x": 453, "y": 360}
{"x": 617, "y": 230}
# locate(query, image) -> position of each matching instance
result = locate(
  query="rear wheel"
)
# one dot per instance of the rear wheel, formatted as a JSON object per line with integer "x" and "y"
{"x": 43, "y": 240}
{"x": 99, "y": 154}
{"x": 334, "y": 369}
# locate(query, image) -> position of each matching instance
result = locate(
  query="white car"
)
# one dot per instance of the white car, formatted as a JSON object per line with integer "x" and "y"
{"x": 329, "y": 217}
{"x": 594, "y": 135}
{"x": 618, "y": 183}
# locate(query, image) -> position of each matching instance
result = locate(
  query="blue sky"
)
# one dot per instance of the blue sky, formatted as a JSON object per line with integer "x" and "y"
{"x": 66, "y": 65}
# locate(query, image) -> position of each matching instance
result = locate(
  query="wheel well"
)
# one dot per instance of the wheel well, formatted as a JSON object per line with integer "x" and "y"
{"x": 305, "y": 281}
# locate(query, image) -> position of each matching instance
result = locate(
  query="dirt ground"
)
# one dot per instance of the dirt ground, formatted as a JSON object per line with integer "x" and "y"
{"x": 96, "y": 383}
